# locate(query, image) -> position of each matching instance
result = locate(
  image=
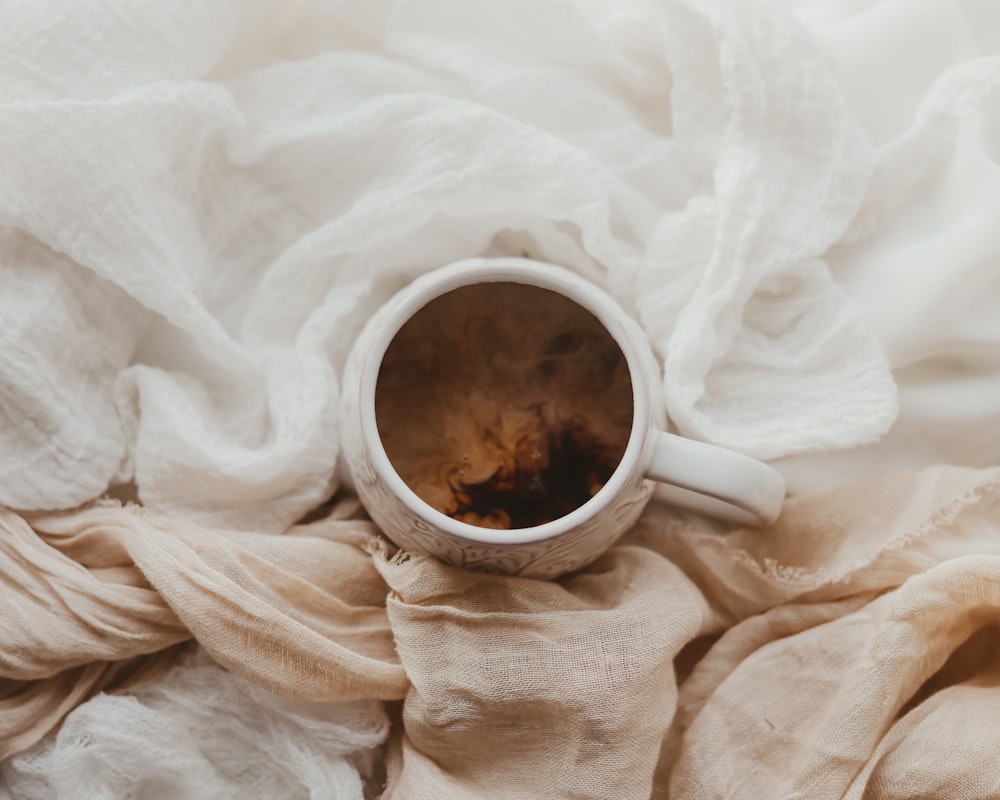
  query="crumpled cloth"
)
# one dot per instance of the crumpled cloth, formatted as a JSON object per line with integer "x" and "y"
{"x": 201, "y": 732}
{"x": 202, "y": 202}
{"x": 848, "y": 650}
{"x": 201, "y": 205}
{"x": 108, "y": 584}
{"x": 922, "y": 77}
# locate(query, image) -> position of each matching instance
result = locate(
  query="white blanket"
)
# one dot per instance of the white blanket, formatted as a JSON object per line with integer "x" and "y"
{"x": 202, "y": 202}
{"x": 202, "y": 205}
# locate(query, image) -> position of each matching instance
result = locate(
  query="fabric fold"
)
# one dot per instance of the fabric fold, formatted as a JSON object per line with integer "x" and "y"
{"x": 218, "y": 214}
{"x": 525, "y": 688}
{"x": 302, "y": 615}
{"x": 836, "y": 653}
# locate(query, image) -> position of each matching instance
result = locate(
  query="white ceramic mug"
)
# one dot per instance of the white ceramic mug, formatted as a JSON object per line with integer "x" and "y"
{"x": 702, "y": 476}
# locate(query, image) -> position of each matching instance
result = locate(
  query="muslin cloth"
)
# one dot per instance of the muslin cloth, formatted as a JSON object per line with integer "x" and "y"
{"x": 201, "y": 203}
{"x": 845, "y": 651}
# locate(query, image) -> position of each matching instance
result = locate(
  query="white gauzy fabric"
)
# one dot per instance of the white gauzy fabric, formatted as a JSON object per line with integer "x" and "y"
{"x": 201, "y": 203}
{"x": 920, "y": 260}
{"x": 202, "y": 732}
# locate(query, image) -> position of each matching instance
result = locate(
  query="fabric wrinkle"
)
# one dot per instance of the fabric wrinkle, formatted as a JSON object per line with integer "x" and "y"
{"x": 204, "y": 202}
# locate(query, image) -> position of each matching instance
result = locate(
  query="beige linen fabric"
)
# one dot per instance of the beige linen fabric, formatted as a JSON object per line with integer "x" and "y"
{"x": 848, "y": 651}
{"x": 839, "y": 617}
{"x": 525, "y": 688}
{"x": 302, "y": 615}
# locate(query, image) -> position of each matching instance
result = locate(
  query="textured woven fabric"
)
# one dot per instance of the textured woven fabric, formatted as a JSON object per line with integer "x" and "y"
{"x": 201, "y": 732}
{"x": 202, "y": 202}
{"x": 846, "y": 651}
{"x": 300, "y": 615}
{"x": 194, "y": 227}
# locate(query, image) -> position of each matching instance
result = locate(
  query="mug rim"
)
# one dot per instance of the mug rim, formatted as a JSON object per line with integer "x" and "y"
{"x": 529, "y": 272}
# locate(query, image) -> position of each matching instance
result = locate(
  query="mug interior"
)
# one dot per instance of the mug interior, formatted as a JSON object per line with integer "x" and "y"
{"x": 503, "y": 406}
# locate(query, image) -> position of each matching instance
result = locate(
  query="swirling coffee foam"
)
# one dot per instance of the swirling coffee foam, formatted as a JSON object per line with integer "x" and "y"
{"x": 504, "y": 405}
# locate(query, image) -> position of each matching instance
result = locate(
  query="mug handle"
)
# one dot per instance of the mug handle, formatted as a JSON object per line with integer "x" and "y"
{"x": 716, "y": 481}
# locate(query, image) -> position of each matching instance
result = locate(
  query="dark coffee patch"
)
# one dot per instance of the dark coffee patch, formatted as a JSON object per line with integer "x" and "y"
{"x": 531, "y": 491}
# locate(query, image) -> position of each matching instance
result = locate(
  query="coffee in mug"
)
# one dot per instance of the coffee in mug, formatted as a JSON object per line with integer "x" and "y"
{"x": 504, "y": 405}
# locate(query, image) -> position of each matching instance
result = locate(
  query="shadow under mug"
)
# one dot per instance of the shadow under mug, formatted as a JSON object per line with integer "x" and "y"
{"x": 696, "y": 475}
